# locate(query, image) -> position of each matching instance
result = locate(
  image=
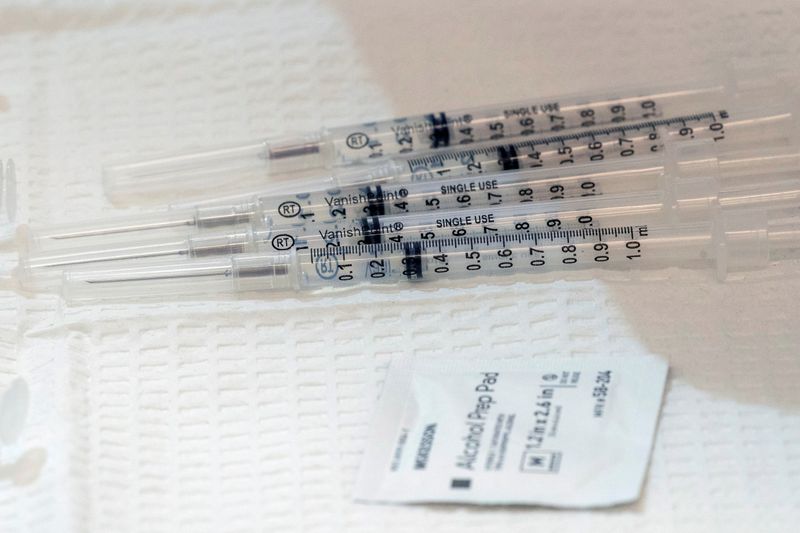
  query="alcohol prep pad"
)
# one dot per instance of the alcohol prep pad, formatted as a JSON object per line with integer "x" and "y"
{"x": 561, "y": 432}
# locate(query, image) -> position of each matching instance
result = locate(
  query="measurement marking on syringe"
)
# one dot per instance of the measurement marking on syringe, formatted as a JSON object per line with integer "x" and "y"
{"x": 571, "y": 235}
{"x": 531, "y": 143}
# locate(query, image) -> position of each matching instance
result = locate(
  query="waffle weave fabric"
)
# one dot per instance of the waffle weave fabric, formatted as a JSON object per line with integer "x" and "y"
{"x": 250, "y": 416}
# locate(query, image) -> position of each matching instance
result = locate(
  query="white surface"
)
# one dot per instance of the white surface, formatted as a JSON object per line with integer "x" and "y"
{"x": 251, "y": 416}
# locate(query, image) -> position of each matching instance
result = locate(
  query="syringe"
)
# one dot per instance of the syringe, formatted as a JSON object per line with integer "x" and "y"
{"x": 676, "y": 199}
{"x": 331, "y": 199}
{"x": 734, "y": 240}
{"x": 255, "y": 162}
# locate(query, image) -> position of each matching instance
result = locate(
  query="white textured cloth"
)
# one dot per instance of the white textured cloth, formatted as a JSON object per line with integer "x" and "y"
{"x": 251, "y": 415}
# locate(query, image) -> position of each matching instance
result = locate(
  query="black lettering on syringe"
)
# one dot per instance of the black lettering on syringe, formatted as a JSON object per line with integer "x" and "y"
{"x": 470, "y": 186}
{"x": 369, "y": 229}
{"x": 366, "y": 195}
{"x": 467, "y": 220}
{"x": 535, "y": 109}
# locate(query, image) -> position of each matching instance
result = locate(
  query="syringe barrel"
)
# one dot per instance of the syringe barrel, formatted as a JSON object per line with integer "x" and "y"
{"x": 741, "y": 128}
{"x": 732, "y": 129}
{"x": 400, "y": 198}
{"x": 679, "y": 199}
{"x": 431, "y": 131}
{"x": 262, "y": 161}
